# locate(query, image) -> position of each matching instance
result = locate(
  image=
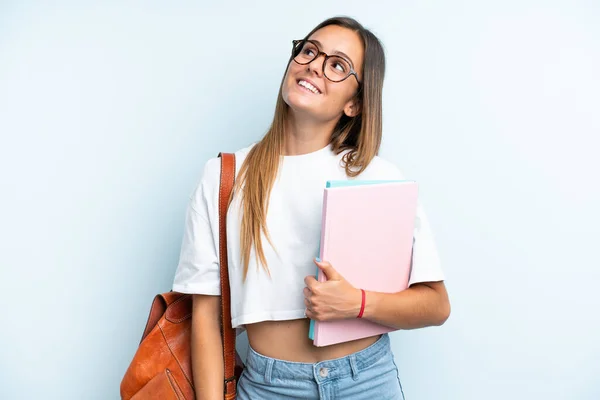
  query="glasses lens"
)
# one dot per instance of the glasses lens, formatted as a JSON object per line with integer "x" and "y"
{"x": 305, "y": 52}
{"x": 337, "y": 68}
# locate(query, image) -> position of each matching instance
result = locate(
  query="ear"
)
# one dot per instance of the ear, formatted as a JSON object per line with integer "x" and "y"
{"x": 353, "y": 107}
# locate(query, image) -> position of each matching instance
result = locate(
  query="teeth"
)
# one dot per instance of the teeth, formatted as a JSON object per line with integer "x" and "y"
{"x": 309, "y": 86}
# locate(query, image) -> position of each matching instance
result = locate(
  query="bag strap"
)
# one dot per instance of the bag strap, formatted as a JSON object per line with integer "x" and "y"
{"x": 227, "y": 332}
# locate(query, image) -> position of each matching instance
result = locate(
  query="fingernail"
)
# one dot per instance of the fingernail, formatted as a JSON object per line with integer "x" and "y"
{"x": 318, "y": 259}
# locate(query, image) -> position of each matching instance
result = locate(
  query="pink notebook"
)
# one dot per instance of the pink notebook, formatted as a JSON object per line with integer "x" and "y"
{"x": 367, "y": 236}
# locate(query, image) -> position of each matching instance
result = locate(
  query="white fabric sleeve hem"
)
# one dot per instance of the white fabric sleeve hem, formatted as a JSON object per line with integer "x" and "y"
{"x": 426, "y": 278}
{"x": 197, "y": 289}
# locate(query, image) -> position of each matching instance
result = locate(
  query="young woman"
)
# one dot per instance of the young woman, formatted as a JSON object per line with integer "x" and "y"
{"x": 327, "y": 126}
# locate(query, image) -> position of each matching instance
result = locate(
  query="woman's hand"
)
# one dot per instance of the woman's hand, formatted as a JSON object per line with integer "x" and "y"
{"x": 331, "y": 300}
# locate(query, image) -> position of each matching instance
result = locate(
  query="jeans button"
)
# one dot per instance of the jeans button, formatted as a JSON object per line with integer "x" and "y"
{"x": 323, "y": 372}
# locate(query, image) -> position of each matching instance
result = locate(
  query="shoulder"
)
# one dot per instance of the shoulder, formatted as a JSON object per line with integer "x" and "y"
{"x": 211, "y": 174}
{"x": 380, "y": 168}
{"x": 206, "y": 190}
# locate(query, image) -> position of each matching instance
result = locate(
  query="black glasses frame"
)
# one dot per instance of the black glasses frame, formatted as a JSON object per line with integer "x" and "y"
{"x": 296, "y": 44}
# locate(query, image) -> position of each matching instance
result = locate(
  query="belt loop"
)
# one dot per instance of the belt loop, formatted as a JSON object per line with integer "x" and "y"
{"x": 353, "y": 366}
{"x": 269, "y": 370}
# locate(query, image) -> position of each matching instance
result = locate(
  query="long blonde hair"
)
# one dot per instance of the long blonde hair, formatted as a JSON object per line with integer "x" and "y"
{"x": 361, "y": 135}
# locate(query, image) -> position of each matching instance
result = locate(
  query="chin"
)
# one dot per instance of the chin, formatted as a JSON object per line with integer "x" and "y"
{"x": 300, "y": 102}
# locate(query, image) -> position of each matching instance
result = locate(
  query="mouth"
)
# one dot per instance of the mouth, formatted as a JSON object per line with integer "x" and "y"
{"x": 309, "y": 86}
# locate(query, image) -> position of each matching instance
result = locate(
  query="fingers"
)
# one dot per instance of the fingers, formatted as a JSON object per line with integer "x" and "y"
{"x": 328, "y": 270}
{"x": 310, "y": 281}
{"x": 306, "y": 292}
{"x": 313, "y": 315}
{"x": 309, "y": 314}
{"x": 308, "y": 299}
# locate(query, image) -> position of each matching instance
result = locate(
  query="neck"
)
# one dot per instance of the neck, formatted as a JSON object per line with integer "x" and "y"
{"x": 305, "y": 135}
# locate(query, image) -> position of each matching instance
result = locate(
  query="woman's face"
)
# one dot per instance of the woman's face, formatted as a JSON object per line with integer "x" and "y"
{"x": 331, "y": 99}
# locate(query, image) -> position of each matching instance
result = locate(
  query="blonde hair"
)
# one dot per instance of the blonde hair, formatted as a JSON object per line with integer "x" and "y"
{"x": 361, "y": 135}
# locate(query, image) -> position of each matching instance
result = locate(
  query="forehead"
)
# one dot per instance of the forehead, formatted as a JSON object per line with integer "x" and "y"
{"x": 336, "y": 38}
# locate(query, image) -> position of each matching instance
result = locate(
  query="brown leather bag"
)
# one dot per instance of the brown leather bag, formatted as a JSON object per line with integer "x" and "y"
{"x": 162, "y": 366}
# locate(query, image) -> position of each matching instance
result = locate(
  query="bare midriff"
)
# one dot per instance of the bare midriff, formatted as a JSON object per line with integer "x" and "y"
{"x": 289, "y": 341}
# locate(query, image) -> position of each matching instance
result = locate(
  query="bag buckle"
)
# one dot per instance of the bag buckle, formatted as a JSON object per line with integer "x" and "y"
{"x": 232, "y": 379}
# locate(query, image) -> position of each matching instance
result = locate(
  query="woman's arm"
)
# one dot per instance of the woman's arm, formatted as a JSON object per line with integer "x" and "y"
{"x": 421, "y": 305}
{"x": 207, "y": 348}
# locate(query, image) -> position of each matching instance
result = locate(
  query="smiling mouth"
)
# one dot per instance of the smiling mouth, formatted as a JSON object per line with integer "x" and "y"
{"x": 308, "y": 86}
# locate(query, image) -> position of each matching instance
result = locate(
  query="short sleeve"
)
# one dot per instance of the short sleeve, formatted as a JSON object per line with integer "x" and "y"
{"x": 426, "y": 266}
{"x": 198, "y": 268}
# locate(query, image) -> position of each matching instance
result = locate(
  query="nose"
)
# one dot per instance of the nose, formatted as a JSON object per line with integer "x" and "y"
{"x": 316, "y": 65}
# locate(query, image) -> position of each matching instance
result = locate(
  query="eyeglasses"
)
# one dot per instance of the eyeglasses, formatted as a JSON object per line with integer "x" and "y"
{"x": 335, "y": 68}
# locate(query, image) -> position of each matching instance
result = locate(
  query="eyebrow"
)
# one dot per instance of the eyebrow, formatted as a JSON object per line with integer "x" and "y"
{"x": 335, "y": 52}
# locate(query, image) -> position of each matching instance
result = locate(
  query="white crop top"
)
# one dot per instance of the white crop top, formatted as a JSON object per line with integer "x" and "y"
{"x": 293, "y": 221}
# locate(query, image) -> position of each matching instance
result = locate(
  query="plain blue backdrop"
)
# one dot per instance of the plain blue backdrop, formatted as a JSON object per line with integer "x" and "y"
{"x": 109, "y": 110}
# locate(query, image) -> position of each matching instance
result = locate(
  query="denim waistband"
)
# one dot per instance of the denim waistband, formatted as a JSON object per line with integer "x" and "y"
{"x": 349, "y": 365}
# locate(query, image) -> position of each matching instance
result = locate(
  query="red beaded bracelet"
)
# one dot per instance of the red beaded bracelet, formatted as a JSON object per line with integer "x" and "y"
{"x": 362, "y": 305}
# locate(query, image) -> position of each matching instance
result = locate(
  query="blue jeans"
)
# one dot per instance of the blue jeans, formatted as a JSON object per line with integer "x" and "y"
{"x": 368, "y": 374}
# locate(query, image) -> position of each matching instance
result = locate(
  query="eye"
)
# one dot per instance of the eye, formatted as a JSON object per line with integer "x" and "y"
{"x": 308, "y": 52}
{"x": 339, "y": 66}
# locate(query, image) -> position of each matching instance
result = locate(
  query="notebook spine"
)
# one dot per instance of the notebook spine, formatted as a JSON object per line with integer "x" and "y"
{"x": 315, "y": 326}
{"x": 324, "y": 235}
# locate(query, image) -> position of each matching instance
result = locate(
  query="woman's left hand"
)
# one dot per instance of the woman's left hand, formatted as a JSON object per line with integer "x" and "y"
{"x": 333, "y": 299}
